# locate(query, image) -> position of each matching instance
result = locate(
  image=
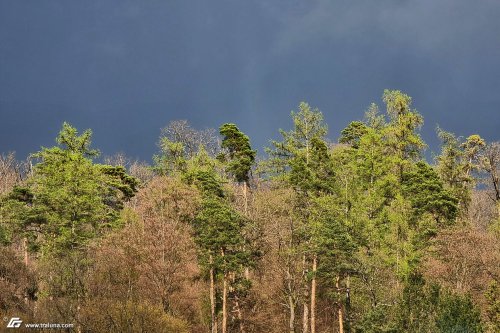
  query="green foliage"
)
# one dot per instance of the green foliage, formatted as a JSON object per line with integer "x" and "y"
{"x": 459, "y": 158}
{"x": 206, "y": 182}
{"x": 427, "y": 195}
{"x": 240, "y": 155}
{"x": 423, "y": 308}
{"x": 493, "y": 310}
{"x": 69, "y": 200}
{"x": 457, "y": 314}
{"x": 291, "y": 157}
{"x": 428, "y": 308}
{"x": 179, "y": 144}
{"x": 356, "y": 221}
{"x": 451, "y": 166}
{"x": 201, "y": 172}
{"x": 374, "y": 119}
{"x": 331, "y": 238}
{"x": 376, "y": 320}
{"x": 14, "y": 214}
{"x": 418, "y": 305}
{"x": 69, "y": 139}
{"x": 303, "y": 157}
{"x": 401, "y": 133}
{"x": 218, "y": 227}
{"x": 311, "y": 171}
{"x": 218, "y": 230}
{"x": 172, "y": 157}
{"x": 120, "y": 185}
{"x": 472, "y": 146}
{"x": 352, "y": 134}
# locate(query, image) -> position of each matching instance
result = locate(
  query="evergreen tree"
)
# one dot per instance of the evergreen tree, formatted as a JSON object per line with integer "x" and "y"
{"x": 303, "y": 161}
{"x": 218, "y": 233}
{"x": 403, "y": 140}
{"x": 239, "y": 156}
{"x": 457, "y": 314}
{"x": 493, "y": 309}
{"x": 426, "y": 192}
{"x": 416, "y": 311}
{"x": 352, "y": 134}
{"x": 70, "y": 200}
{"x": 429, "y": 308}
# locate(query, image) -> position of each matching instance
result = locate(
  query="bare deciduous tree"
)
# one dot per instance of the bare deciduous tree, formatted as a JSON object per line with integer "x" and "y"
{"x": 181, "y": 131}
{"x": 466, "y": 261}
{"x": 491, "y": 165}
{"x": 12, "y": 172}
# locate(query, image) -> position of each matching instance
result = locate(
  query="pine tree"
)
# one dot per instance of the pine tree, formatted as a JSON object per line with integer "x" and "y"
{"x": 426, "y": 192}
{"x": 240, "y": 156}
{"x": 457, "y": 313}
{"x": 352, "y": 134}
{"x": 303, "y": 161}
{"x": 218, "y": 233}
{"x": 69, "y": 199}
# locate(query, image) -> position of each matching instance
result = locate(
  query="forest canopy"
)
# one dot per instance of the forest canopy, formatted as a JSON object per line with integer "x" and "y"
{"x": 361, "y": 234}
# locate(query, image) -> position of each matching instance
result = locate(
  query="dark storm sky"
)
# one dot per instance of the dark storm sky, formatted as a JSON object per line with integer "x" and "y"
{"x": 126, "y": 68}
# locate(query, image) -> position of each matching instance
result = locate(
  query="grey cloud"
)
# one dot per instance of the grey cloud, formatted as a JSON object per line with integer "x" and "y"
{"x": 126, "y": 68}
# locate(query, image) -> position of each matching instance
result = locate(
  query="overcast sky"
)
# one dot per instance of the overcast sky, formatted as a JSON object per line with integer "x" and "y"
{"x": 127, "y": 68}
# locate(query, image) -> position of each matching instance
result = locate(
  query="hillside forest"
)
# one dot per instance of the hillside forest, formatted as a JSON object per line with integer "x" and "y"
{"x": 360, "y": 234}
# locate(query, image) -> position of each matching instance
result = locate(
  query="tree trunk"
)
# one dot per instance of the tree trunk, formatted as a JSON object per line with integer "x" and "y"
{"x": 291, "y": 321}
{"x": 313, "y": 295}
{"x": 237, "y": 307}
{"x": 291, "y": 303}
{"x": 348, "y": 304}
{"x": 212, "y": 297}
{"x": 79, "y": 325}
{"x": 245, "y": 197}
{"x": 224, "y": 300}
{"x": 340, "y": 312}
{"x": 239, "y": 315}
{"x": 224, "y": 305}
{"x": 25, "y": 249}
{"x": 305, "y": 316}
